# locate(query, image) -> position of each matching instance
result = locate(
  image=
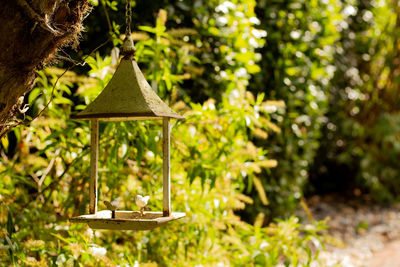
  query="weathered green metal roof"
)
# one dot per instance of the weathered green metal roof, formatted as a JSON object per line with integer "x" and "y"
{"x": 128, "y": 96}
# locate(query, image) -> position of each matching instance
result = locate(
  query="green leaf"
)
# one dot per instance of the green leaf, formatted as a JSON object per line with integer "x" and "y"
{"x": 10, "y": 224}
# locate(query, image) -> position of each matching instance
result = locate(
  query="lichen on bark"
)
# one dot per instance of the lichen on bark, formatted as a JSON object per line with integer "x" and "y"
{"x": 31, "y": 33}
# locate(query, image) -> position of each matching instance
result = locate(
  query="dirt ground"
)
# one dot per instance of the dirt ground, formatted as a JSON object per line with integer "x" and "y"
{"x": 361, "y": 234}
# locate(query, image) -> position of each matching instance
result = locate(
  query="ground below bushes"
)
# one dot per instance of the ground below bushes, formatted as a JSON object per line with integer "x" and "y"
{"x": 360, "y": 233}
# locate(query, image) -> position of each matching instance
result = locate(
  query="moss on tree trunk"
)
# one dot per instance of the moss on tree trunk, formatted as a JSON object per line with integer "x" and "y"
{"x": 31, "y": 33}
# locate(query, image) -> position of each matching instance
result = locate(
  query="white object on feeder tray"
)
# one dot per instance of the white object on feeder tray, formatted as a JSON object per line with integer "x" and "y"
{"x": 113, "y": 206}
{"x": 141, "y": 202}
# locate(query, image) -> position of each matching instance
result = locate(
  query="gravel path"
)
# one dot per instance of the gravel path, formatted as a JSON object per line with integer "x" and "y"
{"x": 361, "y": 234}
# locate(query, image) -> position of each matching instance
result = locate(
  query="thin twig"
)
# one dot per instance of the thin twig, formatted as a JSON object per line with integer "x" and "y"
{"x": 68, "y": 69}
{"x": 65, "y": 170}
{"x": 69, "y": 59}
{"x": 107, "y": 17}
{"x": 48, "y": 169}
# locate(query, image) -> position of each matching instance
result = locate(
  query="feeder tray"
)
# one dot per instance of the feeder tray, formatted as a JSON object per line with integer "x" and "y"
{"x": 127, "y": 220}
{"x": 127, "y": 97}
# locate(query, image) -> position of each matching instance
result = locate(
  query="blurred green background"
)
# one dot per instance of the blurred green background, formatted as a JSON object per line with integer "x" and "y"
{"x": 283, "y": 99}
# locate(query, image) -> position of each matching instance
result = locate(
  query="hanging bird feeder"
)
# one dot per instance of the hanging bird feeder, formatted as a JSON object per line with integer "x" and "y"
{"x": 128, "y": 97}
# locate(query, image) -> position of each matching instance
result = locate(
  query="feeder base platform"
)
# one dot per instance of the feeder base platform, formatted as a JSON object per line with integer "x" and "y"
{"x": 126, "y": 220}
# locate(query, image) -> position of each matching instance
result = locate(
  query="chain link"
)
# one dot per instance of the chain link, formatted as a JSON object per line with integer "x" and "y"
{"x": 128, "y": 17}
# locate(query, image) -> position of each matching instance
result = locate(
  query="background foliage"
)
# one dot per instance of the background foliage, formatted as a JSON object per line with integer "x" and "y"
{"x": 281, "y": 99}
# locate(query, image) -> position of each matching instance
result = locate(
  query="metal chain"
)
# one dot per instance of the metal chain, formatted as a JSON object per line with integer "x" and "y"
{"x": 128, "y": 17}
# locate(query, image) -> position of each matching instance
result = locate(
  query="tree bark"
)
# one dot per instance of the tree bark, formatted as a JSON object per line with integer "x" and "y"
{"x": 31, "y": 33}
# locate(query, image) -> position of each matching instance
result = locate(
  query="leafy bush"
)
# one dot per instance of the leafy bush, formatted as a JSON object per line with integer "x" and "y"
{"x": 45, "y": 168}
{"x": 297, "y": 67}
{"x": 361, "y": 145}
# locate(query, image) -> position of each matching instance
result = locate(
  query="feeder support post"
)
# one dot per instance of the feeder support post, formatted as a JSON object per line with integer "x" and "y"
{"x": 166, "y": 168}
{"x": 94, "y": 155}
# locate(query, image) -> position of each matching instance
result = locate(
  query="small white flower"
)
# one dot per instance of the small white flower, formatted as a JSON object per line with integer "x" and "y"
{"x": 350, "y": 11}
{"x": 61, "y": 259}
{"x": 221, "y": 21}
{"x": 241, "y": 72}
{"x": 315, "y": 25}
{"x": 295, "y": 34}
{"x": 97, "y": 251}
{"x": 239, "y": 14}
{"x": 89, "y": 233}
{"x": 209, "y": 105}
{"x": 61, "y": 227}
{"x": 228, "y": 4}
{"x": 192, "y": 131}
{"x": 248, "y": 120}
{"x": 264, "y": 244}
{"x": 287, "y": 81}
{"x": 124, "y": 149}
{"x": 352, "y": 94}
{"x": 253, "y": 42}
{"x": 102, "y": 73}
{"x": 217, "y": 126}
{"x": 330, "y": 69}
{"x": 367, "y": 16}
{"x": 269, "y": 108}
{"x": 254, "y": 20}
{"x": 221, "y": 8}
{"x": 150, "y": 155}
{"x": 235, "y": 94}
{"x": 145, "y": 240}
{"x": 259, "y": 33}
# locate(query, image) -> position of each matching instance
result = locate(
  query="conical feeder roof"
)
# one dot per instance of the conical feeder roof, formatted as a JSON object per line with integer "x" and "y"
{"x": 128, "y": 96}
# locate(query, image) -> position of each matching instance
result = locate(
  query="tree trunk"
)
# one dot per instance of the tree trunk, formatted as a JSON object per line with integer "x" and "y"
{"x": 31, "y": 32}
